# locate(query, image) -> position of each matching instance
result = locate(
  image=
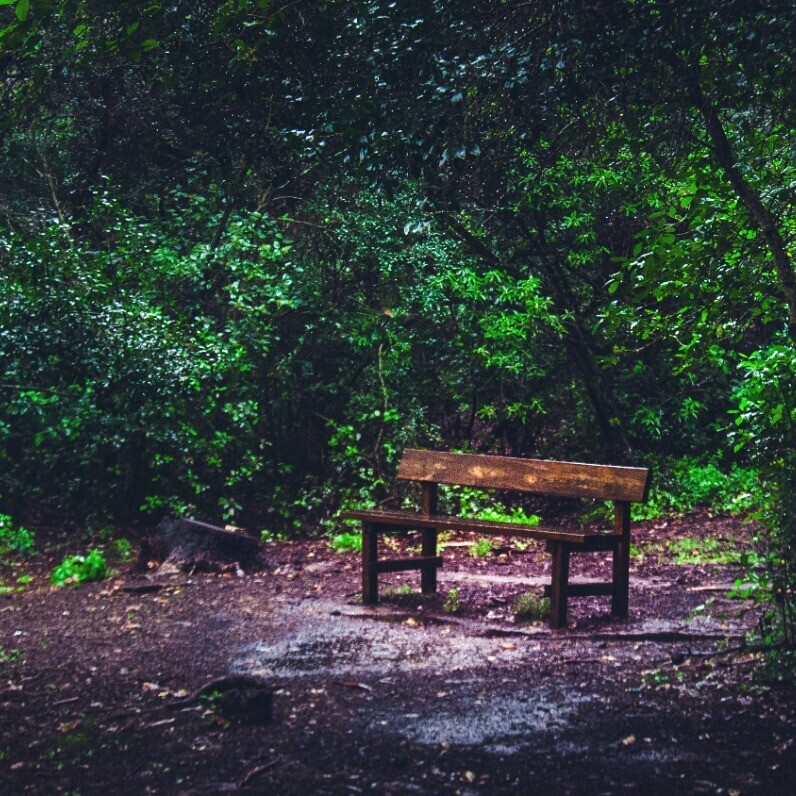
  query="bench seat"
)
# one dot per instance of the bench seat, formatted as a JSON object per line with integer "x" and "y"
{"x": 412, "y": 520}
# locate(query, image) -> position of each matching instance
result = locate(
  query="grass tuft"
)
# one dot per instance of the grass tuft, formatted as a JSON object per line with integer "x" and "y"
{"x": 531, "y": 607}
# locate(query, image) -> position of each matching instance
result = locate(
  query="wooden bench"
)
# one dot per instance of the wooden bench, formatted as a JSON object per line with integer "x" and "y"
{"x": 622, "y": 485}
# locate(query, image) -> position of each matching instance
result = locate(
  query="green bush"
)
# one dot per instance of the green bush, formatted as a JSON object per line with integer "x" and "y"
{"x": 516, "y": 515}
{"x": 532, "y": 607}
{"x": 143, "y": 400}
{"x": 121, "y": 549}
{"x": 79, "y": 569}
{"x": 453, "y": 603}
{"x": 685, "y": 484}
{"x": 765, "y": 419}
{"x": 14, "y": 538}
{"x": 481, "y": 549}
{"x": 346, "y": 543}
{"x": 481, "y": 504}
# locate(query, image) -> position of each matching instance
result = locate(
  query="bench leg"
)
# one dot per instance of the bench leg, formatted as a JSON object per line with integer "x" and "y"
{"x": 428, "y": 575}
{"x": 559, "y": 585}
{"x": 370, "y": 582}
{"x": 621, "y": 579}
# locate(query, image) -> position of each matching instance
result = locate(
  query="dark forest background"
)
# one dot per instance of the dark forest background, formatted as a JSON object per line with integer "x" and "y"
{"x": 251, "y": 250}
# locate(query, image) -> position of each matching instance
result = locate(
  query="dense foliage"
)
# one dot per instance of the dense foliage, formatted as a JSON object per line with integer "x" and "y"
{"x": 249, "y": 250}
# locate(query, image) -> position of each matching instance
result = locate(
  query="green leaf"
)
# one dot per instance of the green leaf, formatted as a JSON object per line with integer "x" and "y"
{"x": 7, "y": 2}
{"x": 23, "y": 9}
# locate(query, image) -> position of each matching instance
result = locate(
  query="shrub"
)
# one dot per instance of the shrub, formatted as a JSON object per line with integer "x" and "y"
{"x": 14, "y": 538}
{"x": 517, "y": 516}
{"x": 80, "y": 569}
{"x": 481, "y": 549}
{"x": 765, "y": 428}
{"x": 685, "y": 484}
{"x": 452, "y": 602}
{"x": 121, "y": 549}
{"x": 531, "y": 607}
{"x": 346, "y": 543}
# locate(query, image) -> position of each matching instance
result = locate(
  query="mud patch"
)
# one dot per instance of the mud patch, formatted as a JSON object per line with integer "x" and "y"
{"x": 324, "y": 640}
{"x": 497, "y": 725}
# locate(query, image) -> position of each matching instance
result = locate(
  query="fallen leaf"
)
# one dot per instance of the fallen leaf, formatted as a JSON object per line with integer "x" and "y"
{"x": 629, "y": 741}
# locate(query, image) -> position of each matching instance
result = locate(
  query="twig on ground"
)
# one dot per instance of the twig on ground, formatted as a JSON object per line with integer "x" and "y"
{"x": 257, "y": 770}
{"x": 65, "y": 701}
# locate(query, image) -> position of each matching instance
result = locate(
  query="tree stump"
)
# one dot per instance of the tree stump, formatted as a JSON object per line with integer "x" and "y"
{"x": 239, "y": 698}
{"x": 191, "y": 545}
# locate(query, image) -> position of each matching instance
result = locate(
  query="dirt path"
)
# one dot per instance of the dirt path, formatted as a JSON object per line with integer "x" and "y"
{"x": 403, "y": 698}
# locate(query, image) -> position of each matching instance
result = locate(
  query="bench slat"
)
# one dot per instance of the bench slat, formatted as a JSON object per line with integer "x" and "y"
{"x": 443, "y": 522}
{"x": 584, "y": 589}
{"x": 405, "y": 564}
{"x": 567, "y": 479}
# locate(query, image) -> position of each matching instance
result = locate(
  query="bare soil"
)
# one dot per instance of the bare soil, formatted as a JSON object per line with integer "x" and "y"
{"x": 402, "y": 698}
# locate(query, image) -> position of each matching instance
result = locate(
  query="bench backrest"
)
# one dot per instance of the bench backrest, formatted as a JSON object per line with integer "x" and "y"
{"x": 567, "y": 479}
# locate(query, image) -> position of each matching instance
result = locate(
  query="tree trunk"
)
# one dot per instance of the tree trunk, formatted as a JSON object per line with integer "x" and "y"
{"x": 748, "y": 195}
{"x": 606, "y": 409}
{"x": 578, "y": 343}
{"x": 581, "y": 346}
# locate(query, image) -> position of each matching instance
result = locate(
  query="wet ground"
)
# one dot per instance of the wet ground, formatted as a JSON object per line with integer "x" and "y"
{"x": 406, "y": 697}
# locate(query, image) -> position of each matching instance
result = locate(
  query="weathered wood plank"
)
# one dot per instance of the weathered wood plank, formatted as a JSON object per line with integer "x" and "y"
{"x": 428, "y": 577}
{"x": 584, "y": 589}
{"x": 567, "y": 479}
{"x": 559, "y": 586}
{"x": 431, "y": 563}
{"x": 370, "y": 582}
{"x": 445, "y": 522}
{"x": 429, "y": 498}
{"x": 621, "y": 564}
